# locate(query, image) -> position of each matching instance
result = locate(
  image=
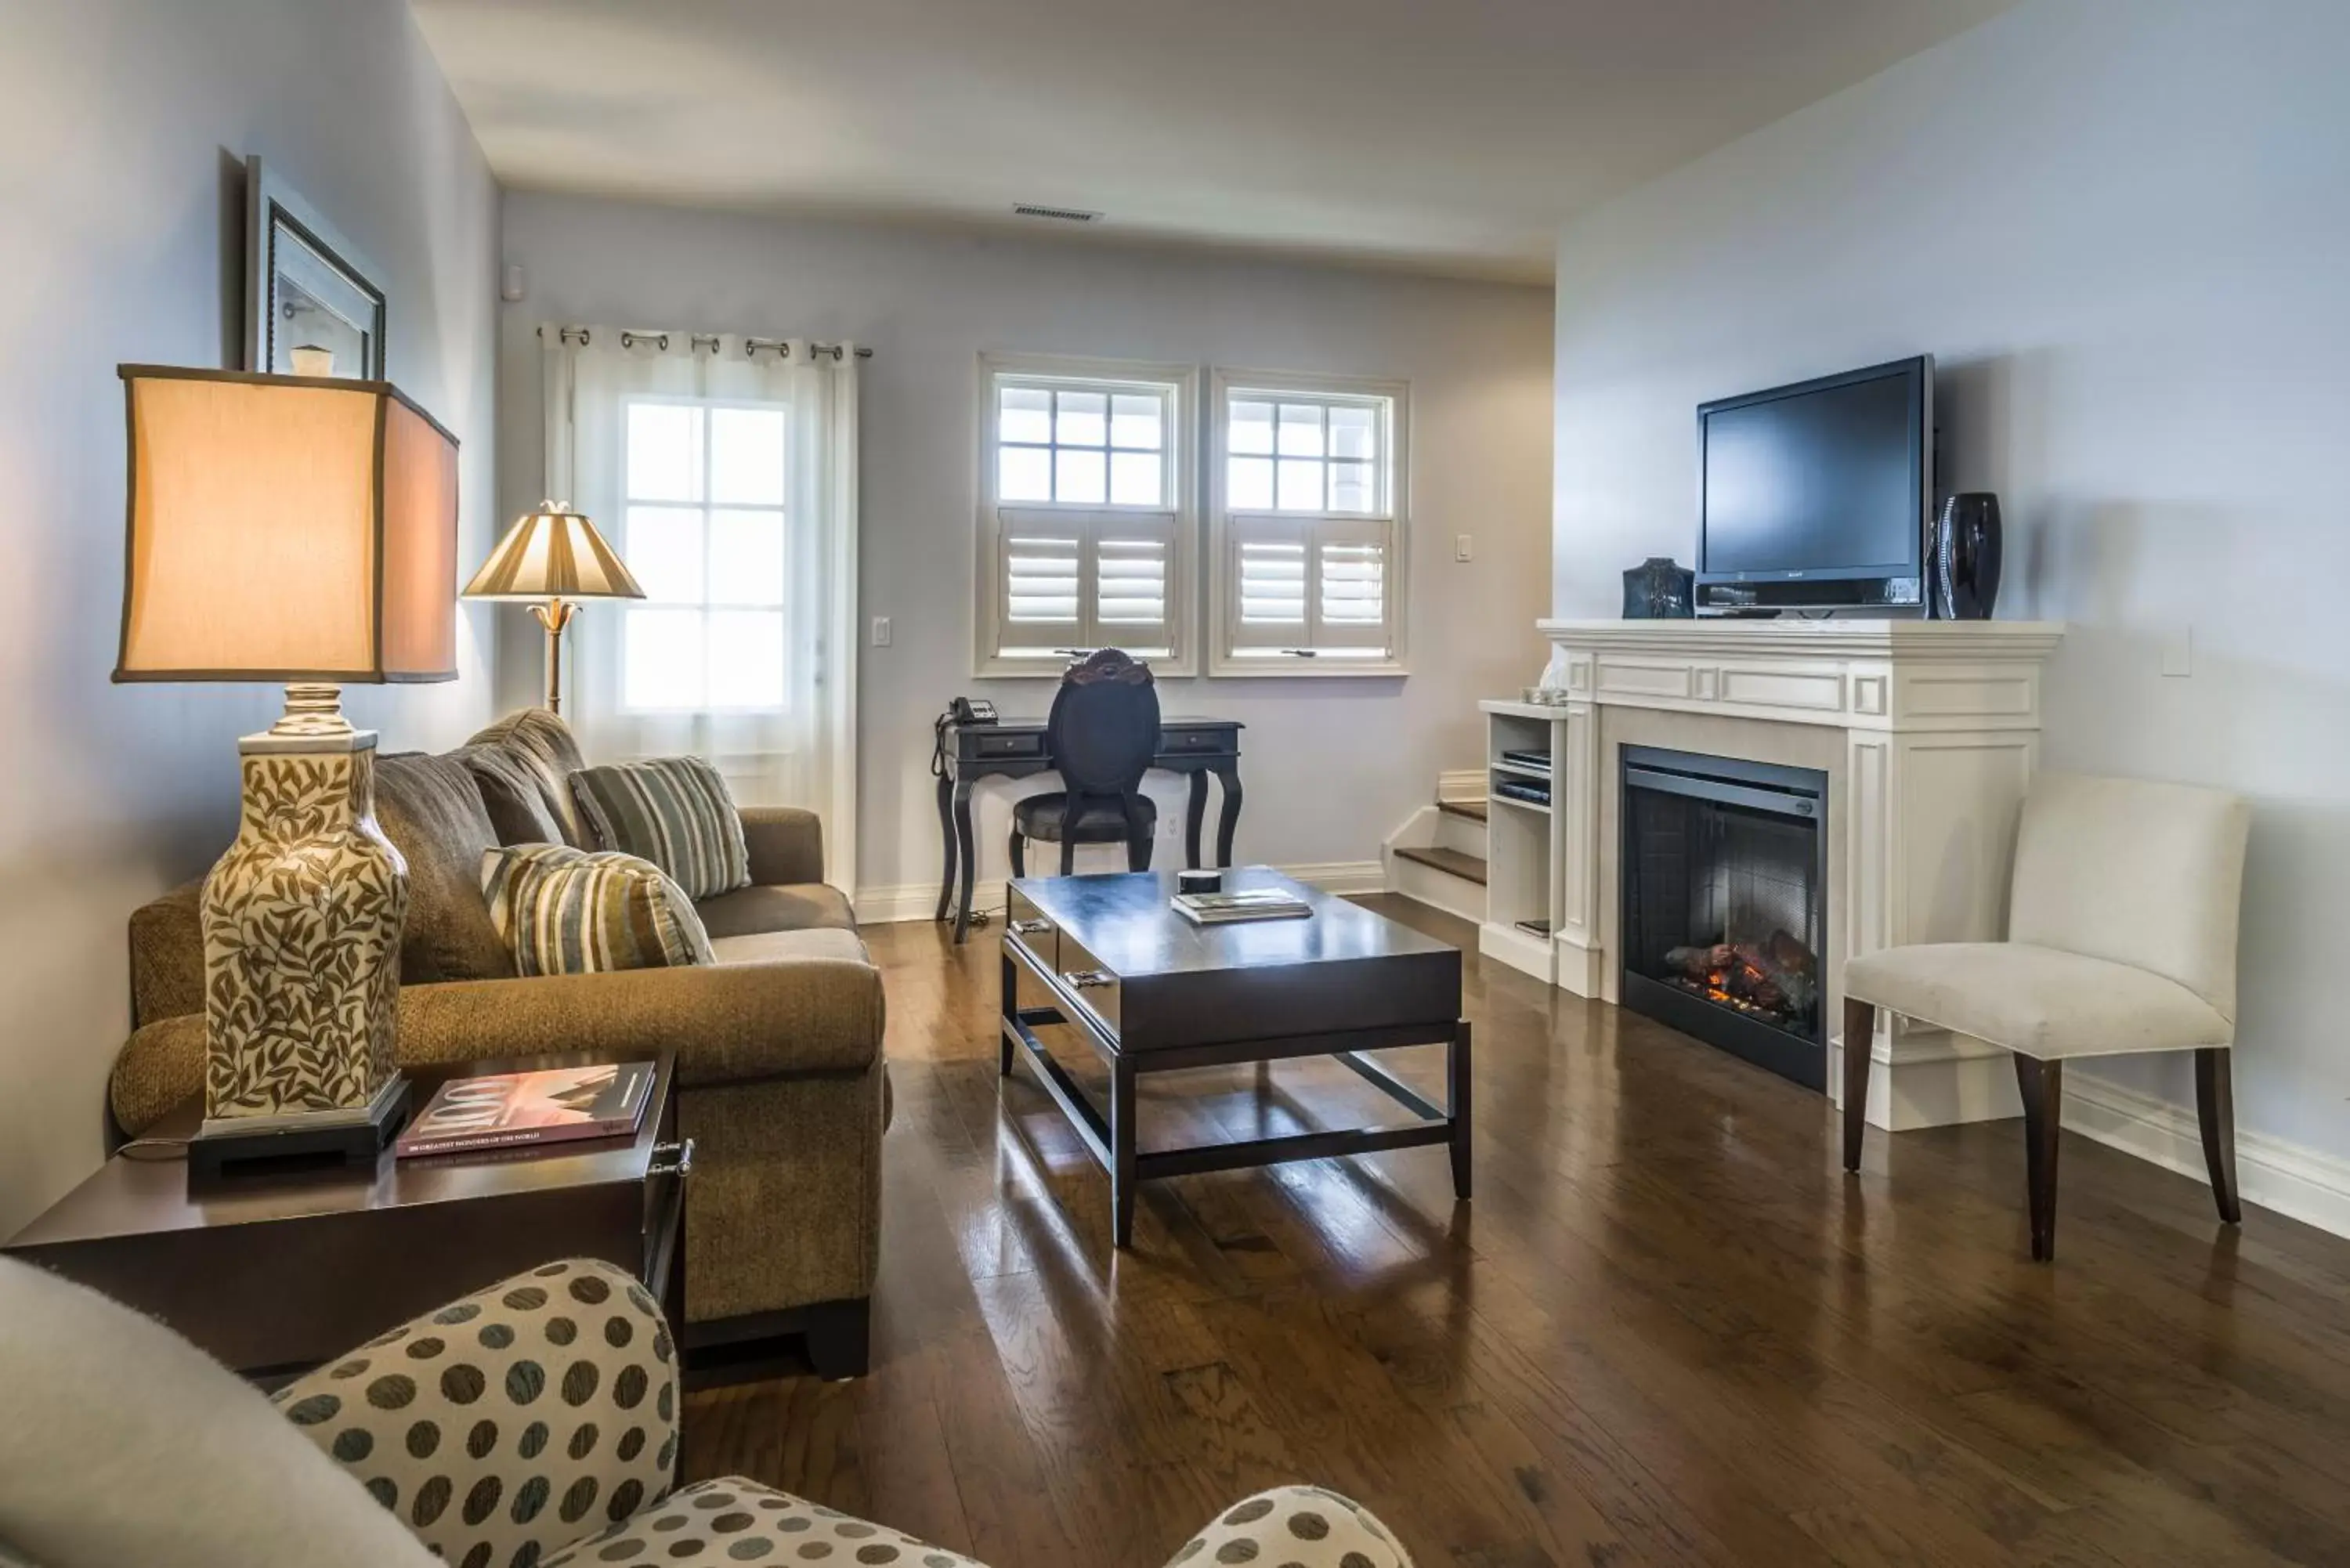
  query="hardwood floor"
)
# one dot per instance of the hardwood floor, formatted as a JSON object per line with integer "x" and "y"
{"x": 1668, "y": 1330}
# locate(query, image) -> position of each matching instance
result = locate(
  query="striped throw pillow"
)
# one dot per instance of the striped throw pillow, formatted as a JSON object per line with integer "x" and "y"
{"x": 577, "y": 911}
{"x": 672, "y": 811}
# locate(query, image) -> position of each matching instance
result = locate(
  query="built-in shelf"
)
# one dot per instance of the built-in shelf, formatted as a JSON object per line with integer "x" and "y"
{"x": 1521, "y": 771}
{"x": 1516, "y": 805}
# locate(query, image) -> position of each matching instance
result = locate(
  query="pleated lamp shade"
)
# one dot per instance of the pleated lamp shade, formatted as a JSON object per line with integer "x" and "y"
{"x": 287, "y": 529}
{"x": 553, "y": 552}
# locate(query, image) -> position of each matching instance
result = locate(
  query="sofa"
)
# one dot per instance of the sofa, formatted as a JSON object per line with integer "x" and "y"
{"x": 534, "y": 1424}
{"x": 778, "y": 1044}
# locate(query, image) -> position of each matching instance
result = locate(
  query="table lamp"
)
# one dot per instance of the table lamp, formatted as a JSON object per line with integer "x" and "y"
{"x": 302, "y": 531}
{"x": 550, "y": 559}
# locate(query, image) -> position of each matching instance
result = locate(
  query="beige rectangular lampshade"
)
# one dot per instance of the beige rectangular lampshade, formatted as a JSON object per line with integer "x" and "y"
{"x": 283, "y": 528}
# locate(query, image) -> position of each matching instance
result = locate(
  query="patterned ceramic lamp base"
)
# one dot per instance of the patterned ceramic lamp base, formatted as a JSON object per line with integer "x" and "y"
{"x": 302, "y": 924}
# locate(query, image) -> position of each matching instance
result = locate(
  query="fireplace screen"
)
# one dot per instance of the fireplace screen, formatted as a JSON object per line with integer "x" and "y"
{"x": 1724, "y": 918}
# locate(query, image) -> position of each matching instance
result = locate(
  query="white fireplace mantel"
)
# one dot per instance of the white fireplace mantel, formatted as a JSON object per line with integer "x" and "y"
{"x": 1936, "y": 734}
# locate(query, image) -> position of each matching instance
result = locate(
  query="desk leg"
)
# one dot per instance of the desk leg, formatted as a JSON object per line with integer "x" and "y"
{"x": 1195, "y": 813}
{"x": 1011, "y": 982}
{"x": 947, "y": 839}
{"x": 1228, "y": 815}
{"x": 967, "y": 856}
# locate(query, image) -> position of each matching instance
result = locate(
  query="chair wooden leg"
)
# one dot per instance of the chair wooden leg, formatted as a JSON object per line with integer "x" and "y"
{"x": 1076, "y": 809}
{"x": 1859, "y": 1041}
{"x": 1019, "y": 854}
{"x": 2043, "y": 1088}
{"x": 2215, "y": 1107}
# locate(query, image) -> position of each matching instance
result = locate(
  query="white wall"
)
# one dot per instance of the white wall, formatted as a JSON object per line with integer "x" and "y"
{"x": 2122, "y": 227}
{"x": 1329, "y": 766}
{"x": 123, "y": 124}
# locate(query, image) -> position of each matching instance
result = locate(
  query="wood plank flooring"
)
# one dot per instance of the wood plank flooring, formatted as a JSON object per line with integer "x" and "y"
{"x": 1667, "y": 1330}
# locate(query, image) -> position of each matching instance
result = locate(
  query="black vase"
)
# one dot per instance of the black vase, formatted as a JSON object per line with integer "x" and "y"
{"x": 1656, "y": 589}
{"x": 1966, "y": 556}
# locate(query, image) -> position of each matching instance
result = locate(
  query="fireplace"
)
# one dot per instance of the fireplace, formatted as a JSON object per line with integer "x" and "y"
{"x": 1724, "y": 911}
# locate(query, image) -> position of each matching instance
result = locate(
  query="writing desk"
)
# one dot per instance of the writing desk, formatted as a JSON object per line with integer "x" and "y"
{"x": 1016, "y": 749}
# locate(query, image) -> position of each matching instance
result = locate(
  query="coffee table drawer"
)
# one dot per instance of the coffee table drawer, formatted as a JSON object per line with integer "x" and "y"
{"x": 1094, "y": 985}
{"x": 1029, "y": 929}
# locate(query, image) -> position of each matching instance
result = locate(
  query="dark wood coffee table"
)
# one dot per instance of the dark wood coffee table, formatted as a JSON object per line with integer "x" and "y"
{"x": 1152, "y": 993}
{"x": 273, "y": 1274}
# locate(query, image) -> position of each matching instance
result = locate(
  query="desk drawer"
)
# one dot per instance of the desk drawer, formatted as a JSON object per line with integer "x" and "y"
{"x": 1174, "y": 742}
{"x": 1027, "y": 926}
{"x": 994, "y": 746}
{"x": 1095, "y": 988}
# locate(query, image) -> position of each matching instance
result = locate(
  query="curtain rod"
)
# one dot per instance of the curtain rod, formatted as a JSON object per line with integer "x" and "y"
{"x": 782, "y": 346}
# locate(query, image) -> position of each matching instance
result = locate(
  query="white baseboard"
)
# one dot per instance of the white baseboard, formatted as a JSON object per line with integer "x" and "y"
{"x": 920, "y": 900}
{"x": 2298, "y": 1182}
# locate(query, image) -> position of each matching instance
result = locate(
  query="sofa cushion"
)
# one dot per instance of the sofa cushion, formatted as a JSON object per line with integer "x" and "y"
{"x": 543, "y": 744}
{"x": 575, "y": 912}
{"x": 774, "y": 947}
{"x": 167, "y": 955}
{"x": 801, "y": 906}
{"x": 434, "y": 815}
{"x": 513, "y": 794}
{"x": 2038, "y": 1001}
{"x": 675, "y": 812}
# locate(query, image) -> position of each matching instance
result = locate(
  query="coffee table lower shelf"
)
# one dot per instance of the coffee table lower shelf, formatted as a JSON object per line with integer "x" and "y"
{"x": 1113, "y": 1140}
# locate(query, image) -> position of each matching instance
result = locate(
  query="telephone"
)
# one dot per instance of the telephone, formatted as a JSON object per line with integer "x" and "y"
{"x": 969, "y": 711}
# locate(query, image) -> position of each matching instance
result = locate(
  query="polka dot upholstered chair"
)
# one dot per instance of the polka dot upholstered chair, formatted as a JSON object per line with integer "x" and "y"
{"x": 533, "y": 1425}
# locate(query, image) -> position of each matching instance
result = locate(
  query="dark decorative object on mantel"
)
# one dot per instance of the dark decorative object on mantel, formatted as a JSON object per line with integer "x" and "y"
{"x": 1656, "y": 589}
{"x": 1966, "y": 556}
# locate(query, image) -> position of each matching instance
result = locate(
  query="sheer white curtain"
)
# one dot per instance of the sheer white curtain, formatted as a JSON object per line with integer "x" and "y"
{"x": 723, "y": 469}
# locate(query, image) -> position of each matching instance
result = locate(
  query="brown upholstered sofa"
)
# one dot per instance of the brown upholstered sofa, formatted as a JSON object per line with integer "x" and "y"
{"x": 779, "y": 1045}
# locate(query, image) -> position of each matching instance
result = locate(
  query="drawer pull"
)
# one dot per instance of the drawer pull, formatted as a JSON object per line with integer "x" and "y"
{"x": 672, "y": 1159}
{"x": 1090, "y": 979}
{"x": 1031, "y": 927}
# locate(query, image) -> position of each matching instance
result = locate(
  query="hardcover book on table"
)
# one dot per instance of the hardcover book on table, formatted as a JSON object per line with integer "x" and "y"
{"x": 520, "y": 1110}
{"x": 1247, "y": 904}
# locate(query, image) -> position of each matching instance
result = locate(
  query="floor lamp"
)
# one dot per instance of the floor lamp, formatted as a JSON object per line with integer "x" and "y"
{"x": 550, "y": 559}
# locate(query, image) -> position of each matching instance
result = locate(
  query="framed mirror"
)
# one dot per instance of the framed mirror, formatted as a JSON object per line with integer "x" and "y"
{"x": 314, "y": 305}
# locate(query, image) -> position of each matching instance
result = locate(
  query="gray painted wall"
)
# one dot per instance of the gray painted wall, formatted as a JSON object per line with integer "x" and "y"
{"x": 123, "y": 124}
{"x": 2121, "y": 225}
{"x": 1330, "y": 766}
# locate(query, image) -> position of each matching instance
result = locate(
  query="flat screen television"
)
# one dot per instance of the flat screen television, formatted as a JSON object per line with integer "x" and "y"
{"x": 1817, "y": 495}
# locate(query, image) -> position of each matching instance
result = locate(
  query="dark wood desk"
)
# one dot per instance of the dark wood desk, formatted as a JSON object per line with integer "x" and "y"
{"x": 1016, "y": 749}
{"x": 274, "y": 1274}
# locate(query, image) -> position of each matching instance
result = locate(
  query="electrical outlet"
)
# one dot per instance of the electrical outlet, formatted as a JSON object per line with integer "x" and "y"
{"x": 880, "y": 631}
{"x": 1462, "y": 550}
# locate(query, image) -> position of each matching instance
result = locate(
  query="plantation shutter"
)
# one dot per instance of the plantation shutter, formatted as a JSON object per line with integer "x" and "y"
{"x": 1042, "y": 563}
{"x": 1349, "y": 581}
{"x": 1133, "y": 586}
{"x": 1271, "y": 574}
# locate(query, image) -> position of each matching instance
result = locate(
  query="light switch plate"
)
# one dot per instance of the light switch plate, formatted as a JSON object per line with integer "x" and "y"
{"x": 1460, "y": 547}
{"x": 2179, "y": 653}
{"x": 880, "y": 631}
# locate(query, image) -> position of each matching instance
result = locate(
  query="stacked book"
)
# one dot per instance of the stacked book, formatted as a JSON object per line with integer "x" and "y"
{"x": 1249, "y": 904}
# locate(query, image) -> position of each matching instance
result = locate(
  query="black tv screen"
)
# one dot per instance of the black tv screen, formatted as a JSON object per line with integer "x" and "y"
{"x": 1825, "y": 479}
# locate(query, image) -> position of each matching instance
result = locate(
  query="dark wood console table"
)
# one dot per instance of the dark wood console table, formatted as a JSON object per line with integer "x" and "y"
{"x": 1016, "y": 749}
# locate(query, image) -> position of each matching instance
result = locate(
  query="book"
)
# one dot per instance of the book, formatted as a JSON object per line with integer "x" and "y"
{"x": 1249, "y": 904}
{"x": 518, "y": 1110}
{"x": 1528, "y": 759}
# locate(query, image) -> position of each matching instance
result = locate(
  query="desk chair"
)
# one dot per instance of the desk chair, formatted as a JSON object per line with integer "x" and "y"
{"x": 2121, "y": 937}
{"x": 1101, "y": 736}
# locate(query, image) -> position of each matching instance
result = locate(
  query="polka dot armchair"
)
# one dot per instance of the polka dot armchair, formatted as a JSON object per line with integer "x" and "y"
{"x": 532, "y": 1425}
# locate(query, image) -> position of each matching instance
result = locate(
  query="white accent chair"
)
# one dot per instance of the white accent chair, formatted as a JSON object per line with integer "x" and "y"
{"x": 2121, "y": 937}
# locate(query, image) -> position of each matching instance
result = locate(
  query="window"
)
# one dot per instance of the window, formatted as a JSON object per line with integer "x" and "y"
{"x": 1309, "y": 527}
{"x": 705, "y": 534}
{"x": 1086, "y": 521}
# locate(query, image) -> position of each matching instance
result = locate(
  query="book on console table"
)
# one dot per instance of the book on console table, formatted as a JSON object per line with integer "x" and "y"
{"x": 525, "y": 1110}
{"x": 1248, "y": 904}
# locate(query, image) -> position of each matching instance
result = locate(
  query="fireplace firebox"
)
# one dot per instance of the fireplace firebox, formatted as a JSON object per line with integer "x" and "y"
{"x": 1724, "y": 929}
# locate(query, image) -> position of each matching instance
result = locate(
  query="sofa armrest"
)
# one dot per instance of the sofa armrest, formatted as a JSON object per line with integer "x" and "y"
{"x": 167, "y": 955}
{"x": 786, "y": 844}
{"x": 730, "y": 1022}
{"x": 510, "y": 1423}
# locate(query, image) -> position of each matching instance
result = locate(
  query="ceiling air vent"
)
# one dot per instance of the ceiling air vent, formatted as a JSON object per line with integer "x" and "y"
{"x": 1056, "y": 214}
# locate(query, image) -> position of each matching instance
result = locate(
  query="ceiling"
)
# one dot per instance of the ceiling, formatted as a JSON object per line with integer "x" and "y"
{"x": 1447, "y": 136}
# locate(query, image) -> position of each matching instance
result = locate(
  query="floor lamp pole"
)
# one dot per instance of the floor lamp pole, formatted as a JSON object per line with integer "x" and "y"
{"x": 555, "y": 614}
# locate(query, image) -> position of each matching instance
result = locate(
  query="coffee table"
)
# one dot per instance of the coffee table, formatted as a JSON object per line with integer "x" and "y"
{"x": 1152, "y": 993}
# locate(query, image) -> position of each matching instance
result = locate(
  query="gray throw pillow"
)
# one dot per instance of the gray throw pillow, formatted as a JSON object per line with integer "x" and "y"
{"x": 675, "y": 812}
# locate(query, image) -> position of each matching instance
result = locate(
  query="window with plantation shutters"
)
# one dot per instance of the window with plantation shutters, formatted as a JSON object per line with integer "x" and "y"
{"x": 1086, "y": 518}
{"x": 1308, "y": 525}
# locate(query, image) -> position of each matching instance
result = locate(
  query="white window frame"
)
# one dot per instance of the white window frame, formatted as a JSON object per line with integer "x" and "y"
{"x": 1177, "y": 518}
{"x": 633, "y": 611}
{"x": 1389, "y": 523}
